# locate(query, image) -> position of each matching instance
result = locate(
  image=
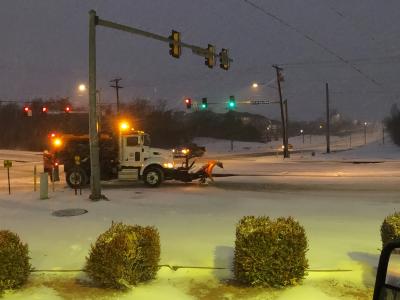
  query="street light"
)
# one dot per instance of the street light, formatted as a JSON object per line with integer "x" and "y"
{"x": 302, "y": 133}
{"x": 267, "y": 84}
{"x": 82, "y": 87}
{"x": 365, "y": 133}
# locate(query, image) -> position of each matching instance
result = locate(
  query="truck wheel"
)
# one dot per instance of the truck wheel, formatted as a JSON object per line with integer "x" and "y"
{"x": 76, "y": 178}
{"x": 153, "y": 176}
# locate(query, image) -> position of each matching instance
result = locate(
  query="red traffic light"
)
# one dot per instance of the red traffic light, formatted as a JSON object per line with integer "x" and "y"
{"x": 67, "y": 109}
{"x": 188, "y": 103}
{"x": 27, "y": 111}
{"x": 44, "y": 109}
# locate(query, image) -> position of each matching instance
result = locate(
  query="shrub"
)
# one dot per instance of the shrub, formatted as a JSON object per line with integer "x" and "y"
{"x": 14, "y": 261}
{"x": 390, "y": 229}
{"x": 270, "y": 253}
{"x": 124, "y": 255}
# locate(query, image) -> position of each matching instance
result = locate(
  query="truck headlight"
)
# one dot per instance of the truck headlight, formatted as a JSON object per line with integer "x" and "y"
{"x": 168, "y": 165}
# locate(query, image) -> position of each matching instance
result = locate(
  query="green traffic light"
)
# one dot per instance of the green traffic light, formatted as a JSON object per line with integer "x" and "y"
{"x": 231, "y": 104}
{"x": 203, "y": 106}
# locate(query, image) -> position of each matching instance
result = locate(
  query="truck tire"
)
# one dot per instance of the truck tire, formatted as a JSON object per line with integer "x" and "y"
{"x": 153, "y": 176}
{"x": 76, "y": 178}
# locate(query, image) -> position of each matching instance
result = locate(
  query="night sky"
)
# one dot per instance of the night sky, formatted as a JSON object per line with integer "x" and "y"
{"x": 354, "y": 45}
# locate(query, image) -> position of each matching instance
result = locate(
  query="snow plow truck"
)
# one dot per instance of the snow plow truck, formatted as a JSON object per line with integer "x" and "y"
{"x": 126, "y": 157}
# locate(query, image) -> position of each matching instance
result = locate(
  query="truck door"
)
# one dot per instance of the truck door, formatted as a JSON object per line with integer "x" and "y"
{"x": 146, "y": 146}
{"x": 132, "y": 151}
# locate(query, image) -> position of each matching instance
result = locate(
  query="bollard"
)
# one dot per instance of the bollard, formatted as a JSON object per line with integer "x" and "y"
{"x": 52, "y": 179}
{"x": 34, "y": 178}
{"x": 44, "y": 186}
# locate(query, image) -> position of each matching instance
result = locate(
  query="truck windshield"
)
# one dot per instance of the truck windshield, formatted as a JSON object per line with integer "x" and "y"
{"x": 146, "y": 140}
{"x": 132, "y": 141}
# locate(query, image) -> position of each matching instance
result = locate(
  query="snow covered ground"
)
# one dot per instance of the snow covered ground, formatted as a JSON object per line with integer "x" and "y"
{"x": 218, "y": 147}
{"x": 339, "y": 198}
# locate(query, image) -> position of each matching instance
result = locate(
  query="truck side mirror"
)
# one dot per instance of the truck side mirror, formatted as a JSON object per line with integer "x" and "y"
{"x": 387, "y": 284}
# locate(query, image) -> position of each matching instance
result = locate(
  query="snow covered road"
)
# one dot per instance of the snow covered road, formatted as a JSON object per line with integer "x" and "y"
{"x": 340, "y": 203}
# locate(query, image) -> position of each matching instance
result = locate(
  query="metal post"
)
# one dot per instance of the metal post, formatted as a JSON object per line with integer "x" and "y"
{"x": 286, "y": 128}
{"x": 365, "y": 133}
{"x": 8, "y": 179}
{"x": 53, "y": 179}
{"x": 34, "y": 177}
{"x": 93, "y": 131}
{"x": 350, "y": 140}
{"x": 328, "y": 134}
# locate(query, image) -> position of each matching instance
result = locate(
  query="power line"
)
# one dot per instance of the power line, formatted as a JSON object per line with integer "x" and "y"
{"x": 347, "y": 18}
{"x": 377, "y": 60}
{"x": 309, "y": 38}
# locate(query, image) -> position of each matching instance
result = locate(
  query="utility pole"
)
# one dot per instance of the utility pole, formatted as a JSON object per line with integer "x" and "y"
{"x": 278, "y": 79}
{"x": 117, "y": 87}
{"x": 286, "y": 127}
{"x": 93, "y": 131}
{"x": 328, "y": 133}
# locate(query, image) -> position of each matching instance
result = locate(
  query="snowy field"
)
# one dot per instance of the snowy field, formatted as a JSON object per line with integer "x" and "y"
{"x": 341, "y": 199}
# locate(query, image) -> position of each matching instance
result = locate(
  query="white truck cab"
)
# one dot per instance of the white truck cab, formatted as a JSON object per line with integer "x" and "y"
{"x": 137, "y": 160}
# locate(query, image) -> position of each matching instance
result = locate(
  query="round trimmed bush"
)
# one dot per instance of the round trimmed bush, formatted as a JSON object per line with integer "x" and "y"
{"x": 14, "y": 261}
{"x": 124, "y": 255}
{"x": 270, "y": 253}
{"x": 390, "y": 228}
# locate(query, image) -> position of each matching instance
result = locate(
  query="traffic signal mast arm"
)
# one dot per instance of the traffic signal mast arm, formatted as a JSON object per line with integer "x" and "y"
{"x": 195, "y": 49}
{"x": 256, "y": 102}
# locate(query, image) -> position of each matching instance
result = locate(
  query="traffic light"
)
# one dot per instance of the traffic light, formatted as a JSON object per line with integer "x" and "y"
{"x": 188, "y": 103}
{"x": 210, "y": 57}
{"x": 45, "y": 110}
{"x": 67, "y": 109}
{"x": 27, "y": 111}
{"x": 224, "y": 59}
{"x": 204, "y": 103}
{"x": 174, "y": 45}
{"x": 231, "y": 102}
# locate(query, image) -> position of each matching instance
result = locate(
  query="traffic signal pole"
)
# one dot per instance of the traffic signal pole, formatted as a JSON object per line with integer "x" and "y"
{"x": 95, "y": 186}
{"x": 94, "y": 21}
